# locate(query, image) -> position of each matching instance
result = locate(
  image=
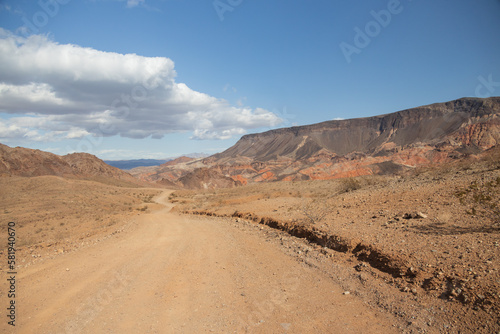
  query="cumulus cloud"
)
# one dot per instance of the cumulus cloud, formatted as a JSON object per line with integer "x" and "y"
{"x": 55, "y": 91}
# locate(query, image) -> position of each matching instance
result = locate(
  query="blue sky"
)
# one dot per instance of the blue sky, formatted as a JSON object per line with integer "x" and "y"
{"x": 153, "y": 79}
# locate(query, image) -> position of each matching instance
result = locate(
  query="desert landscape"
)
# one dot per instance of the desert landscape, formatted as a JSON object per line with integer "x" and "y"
{"x": 231, "y": 166}
{"x": 396, "y": 232}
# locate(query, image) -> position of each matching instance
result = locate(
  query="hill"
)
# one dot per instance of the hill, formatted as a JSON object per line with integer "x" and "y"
{"x": 385, "y": 144}
{"x": 27, "y": 162}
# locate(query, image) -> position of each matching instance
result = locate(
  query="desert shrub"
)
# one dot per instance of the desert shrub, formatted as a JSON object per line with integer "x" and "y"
{"x": 315, "y": 211}
{"x": 349, "y": 184}
{"x": 481, "y": 199}
{"x": 148, "y": 199}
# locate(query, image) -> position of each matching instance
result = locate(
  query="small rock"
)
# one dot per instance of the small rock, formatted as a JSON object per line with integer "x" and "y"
{"x": 420, "y": 215}
{"x": 414, "y": 215}
{"x": 67, "y": 269}
{"x": 346, "y": 293}
{"x": 360, "y": 266}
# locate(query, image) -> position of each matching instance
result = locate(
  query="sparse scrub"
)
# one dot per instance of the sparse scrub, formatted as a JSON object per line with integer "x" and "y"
{"x": 148, "y": 199}
{"x": 481, "y": 199}
{"x": 316, "y": 210}
{"x": 348, "y": 185}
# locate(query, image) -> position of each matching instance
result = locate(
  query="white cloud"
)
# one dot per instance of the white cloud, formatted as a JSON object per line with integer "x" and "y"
{"x": 68, "y": 91}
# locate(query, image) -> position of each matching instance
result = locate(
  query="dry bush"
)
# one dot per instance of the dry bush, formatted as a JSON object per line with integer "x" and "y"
{"x": 481, "y": 199}
{"x": 348, "y": 185}
{"x": 316, "y": 210}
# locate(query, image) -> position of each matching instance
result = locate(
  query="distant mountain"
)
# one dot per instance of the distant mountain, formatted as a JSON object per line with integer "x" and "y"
{"x": 184, "y": 172}
{"x": 342, "y": 148}
{"x": 129, "y": 164}
{"x": 21, "y": 161}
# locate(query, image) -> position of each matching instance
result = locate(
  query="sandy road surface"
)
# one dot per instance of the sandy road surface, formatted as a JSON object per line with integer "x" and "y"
{"x": 176, "y": 274}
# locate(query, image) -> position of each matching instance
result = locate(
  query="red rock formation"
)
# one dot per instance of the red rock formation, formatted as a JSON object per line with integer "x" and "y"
{"x": 374, "y": 145}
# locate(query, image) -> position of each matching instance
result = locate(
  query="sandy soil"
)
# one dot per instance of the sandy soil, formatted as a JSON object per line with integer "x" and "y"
{"x": 168, "y": 273}
{"x": 56, "y": 211}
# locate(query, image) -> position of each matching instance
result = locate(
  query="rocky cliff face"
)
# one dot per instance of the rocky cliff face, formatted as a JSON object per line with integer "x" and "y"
{"x": 424, "y": 125}
{"x": 334, "y": 149}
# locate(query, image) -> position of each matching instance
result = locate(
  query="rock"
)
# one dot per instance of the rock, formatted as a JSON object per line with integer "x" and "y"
{"x": 346, "y": 293}
{"x": 420, "y": 215}
{"x": 414, "y": 215}
{"x": 360, "y": 266}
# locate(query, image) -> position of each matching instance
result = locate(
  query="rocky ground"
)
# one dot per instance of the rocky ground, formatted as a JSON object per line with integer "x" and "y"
{"x": 424, "y": 246}
{"x": 414, "y": 253}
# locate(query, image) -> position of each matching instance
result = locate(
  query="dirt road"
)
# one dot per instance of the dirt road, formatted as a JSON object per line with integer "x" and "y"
{"x": 168, "y": 273}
